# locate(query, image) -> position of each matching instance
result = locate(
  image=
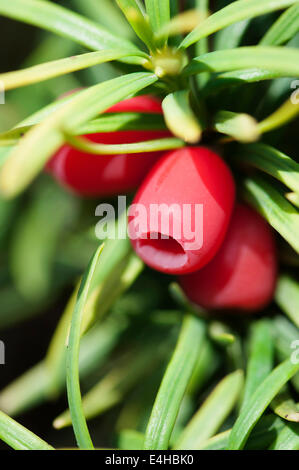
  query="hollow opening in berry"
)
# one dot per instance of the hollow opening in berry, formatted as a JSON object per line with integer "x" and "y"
{"x": 163, "y": 250}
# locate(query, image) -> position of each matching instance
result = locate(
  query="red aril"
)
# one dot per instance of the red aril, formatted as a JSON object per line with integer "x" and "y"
{"x": 104, "y": 175}
{"x": 188, "y": 197}
{"x": 242, "y": 275}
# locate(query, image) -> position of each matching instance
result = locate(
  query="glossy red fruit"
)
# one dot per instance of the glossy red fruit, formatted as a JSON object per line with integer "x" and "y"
{"x": 198, "y": 187}
{"x": 92, "y": 175}
{"x": 243, "y": 273}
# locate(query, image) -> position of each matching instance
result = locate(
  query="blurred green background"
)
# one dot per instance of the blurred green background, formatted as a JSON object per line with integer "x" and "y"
{"x": 47, "y": 238}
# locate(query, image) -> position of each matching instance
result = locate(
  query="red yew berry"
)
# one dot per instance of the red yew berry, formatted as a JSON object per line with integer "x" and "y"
{"x": 243, "y": 273}
{"x": 104, "y": 175}
{"x": 188, "y": 197}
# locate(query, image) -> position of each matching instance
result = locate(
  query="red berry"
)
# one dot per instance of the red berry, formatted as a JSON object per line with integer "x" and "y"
{"x": 243, "y": 273}
{"x": 192, "y": 179}
{"x": 92, "y": 175}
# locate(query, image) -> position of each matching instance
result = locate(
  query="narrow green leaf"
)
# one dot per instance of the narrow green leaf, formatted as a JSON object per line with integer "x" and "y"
{"x": 25, "y": 392}
{"x": 72, "y": 358}
{"x": 102, "y": 396}
{"x": 239, "y": 126}
{"x": 239, "y": 77}
{"x": 264, "y": 432}
{"x": 284, "y": 406}
{"x": 234, "y": 354}
{"x": 231, "y": 36}
{"x": 213, "y": 412}
{"x": 159, "y": 15}
{"x": 221, "y": 333}
{"x": 110, "y": 390}
{"x": 259, "y": 401}
{"x": 174, "y": 384}
{"x": 285, "y": 113}
{"x": 180, "y": 117}
{"x": 18, "y": 437}
{"x": 8, "y": 141}
{"x": 217, "y": 442}
{"x": 286, "y": 342}
{"x": 287, "y": 297}
{"x": 205, "y": 367}
{"x": 278, "y": 90}
{"x": 39, "y": 144}
{"x": 280, "y": 214}
{"x": 107, "y": 14}
{"x": 138, "y": 21}
{"x": 186, "y": 410}
{"x": 281, "y": 60}
{"x": 64, "y": 22}
{"x": 116, "y": 273}
{"x": 283, "y": 29}
{"x": 273, "y": 162}
{"x": 47, "y": 378}
{"x": 113, "y": 122}
{"x": 119, "y": 268}
{"x": 261, "y": 437}
{"x": 293, "y": 198}
{"x": 86, "y": 145}
{"x": 24, "y": 126}
{"x": 202, "y": 46}
{"x": 129, "y": 439}
{"x": 287, "y": 439}
{"x": 39, "y": 73}
{"x": 174, "y": 7}
{"x": 260, "y": 360}
{"x": 253, "y": 75}
{"x": 46, "y": 111}
{"x": 237, "y": 11}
